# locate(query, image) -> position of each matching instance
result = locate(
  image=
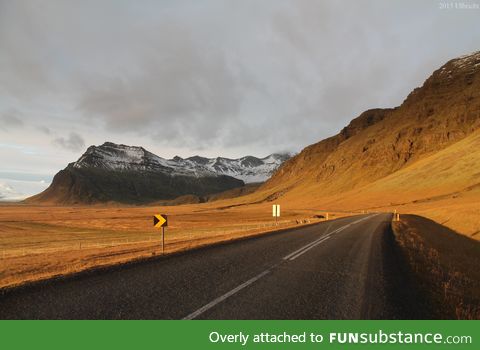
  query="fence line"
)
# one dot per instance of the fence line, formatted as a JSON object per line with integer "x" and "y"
{"x": 182, "y": 237}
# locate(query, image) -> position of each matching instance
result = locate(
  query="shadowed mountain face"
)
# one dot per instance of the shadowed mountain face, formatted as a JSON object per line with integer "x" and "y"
{"x": 127, "y": 174}
{"x": 379, "y": 142}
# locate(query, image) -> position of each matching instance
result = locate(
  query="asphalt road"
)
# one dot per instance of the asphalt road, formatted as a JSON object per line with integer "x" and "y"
{"x": 341, "y": 269}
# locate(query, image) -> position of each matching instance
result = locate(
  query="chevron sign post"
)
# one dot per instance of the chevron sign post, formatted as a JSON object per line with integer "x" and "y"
{"x": 161, "y": 221}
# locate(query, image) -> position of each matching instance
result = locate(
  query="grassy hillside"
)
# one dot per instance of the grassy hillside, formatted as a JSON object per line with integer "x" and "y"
{"x": 421, "y": 157}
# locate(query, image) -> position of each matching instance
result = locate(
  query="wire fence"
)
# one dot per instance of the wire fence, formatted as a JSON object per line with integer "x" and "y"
{"x": 180, "y": 236}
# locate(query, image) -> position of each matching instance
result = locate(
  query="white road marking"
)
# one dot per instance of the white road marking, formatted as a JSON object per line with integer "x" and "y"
{"x": 291, "y": 256}
{"x": 211, "y": 304}
{"x": 306, "y": 250}
{"x": 341, "y": 229}
{"x": 310, "y": 245}
{"x": 305, "y": 247}
{"x": 328, "y": 228}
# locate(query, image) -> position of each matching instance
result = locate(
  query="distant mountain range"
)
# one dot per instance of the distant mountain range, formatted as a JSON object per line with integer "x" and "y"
{"x": 129, "y": 174}
{"x": 111, "y": 156}
{"x": 420, "y": 157}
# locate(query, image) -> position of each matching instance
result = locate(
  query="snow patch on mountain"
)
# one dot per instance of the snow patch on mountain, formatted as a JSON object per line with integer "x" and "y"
{"x": 111, "y": 156}
{"x": 471, "y": 60}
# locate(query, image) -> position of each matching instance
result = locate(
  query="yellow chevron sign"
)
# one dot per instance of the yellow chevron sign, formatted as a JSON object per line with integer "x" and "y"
{"x": 160, "y": 220}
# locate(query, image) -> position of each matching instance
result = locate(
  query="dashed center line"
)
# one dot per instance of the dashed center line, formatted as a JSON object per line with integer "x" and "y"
{"x": 289, "y": 257}
{"x": 321, "y": 239}
{"x": 304, "y": 249}
{"x": 307, "y": 249}
{"x": 211, "y": 304}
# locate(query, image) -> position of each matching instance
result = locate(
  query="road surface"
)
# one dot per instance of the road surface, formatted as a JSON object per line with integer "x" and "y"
{"x": 341, "y": 269}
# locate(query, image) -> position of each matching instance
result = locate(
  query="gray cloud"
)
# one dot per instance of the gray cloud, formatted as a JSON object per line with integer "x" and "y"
{"x": 10, "y": 120}
{"x": 223, "y": 75}
{"x": 74, "y": 142}
{"x": 44, "y": 129}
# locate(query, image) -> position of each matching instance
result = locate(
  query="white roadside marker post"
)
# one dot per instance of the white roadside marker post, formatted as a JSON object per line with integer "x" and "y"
{"x": 276, "y": 212}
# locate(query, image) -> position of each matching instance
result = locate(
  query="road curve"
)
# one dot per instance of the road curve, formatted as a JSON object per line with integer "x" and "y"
{"x": 340, "y": 269}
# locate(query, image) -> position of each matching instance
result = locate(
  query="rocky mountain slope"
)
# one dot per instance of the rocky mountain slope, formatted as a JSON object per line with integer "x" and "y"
{"x": 110, "y": 156}
{"x": 129, "y": 174}
{"x": 386, "y": 157}
{"x": 381, "y": 141}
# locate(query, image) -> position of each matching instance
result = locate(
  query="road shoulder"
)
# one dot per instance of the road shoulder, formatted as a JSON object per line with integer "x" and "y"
{"x": 443, "y": 264}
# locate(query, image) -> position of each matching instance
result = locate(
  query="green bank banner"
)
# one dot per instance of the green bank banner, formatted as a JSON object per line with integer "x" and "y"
{"x": 343, "y": 335}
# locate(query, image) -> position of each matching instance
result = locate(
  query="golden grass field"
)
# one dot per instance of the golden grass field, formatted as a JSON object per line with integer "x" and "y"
{"x": 443, "y": 186}
{"x": 39, "y": 242}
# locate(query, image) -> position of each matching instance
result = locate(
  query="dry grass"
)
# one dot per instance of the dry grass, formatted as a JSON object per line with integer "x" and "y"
{"x": 38, "y": 242}
{"x": 460, "y": 213}
{"x": 444, "y": 186}
{"x": 444, "y": 264}
{"x": 41, "y": 241}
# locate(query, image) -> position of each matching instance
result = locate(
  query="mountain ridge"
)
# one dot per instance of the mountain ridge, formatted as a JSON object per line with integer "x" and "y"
{"x": 445, "y": 109}
{"x": 123, "y": 157}
{"x": 131, "y": 174}
{"x": 381, "y": 159}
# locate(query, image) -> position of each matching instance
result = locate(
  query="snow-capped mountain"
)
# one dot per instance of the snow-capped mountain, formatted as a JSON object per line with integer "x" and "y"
{"x": 128, "y": 174}
{"x": 111, "y": 156}
{"x": 249, "y": 169}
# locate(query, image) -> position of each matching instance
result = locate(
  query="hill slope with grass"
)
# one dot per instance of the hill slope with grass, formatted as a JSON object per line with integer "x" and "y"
{"x": 421, "y": 156}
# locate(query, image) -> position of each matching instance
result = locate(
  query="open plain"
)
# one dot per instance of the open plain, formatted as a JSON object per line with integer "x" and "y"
{"x": 39, "y": 242}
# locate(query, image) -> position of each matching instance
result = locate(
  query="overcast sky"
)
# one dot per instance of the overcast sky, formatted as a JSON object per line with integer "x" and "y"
{"x": 215, "y": 78}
